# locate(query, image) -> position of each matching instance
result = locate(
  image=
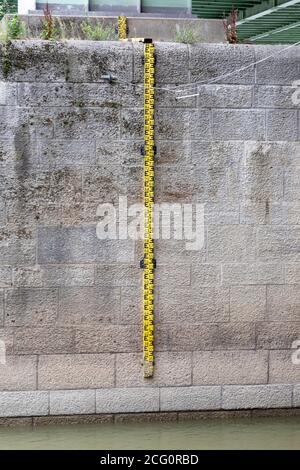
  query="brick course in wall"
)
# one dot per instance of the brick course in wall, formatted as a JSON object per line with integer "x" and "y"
{"x": 71, "y": 305}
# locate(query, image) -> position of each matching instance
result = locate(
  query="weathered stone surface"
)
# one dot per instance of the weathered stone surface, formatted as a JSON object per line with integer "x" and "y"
{"x": 130, "y": 400}
{"x": 292, "y": 178}
{"x": 169, "y": 55}
{"x": 18, "y": 373}
{"x": 209, "y": 61}
{"x": 283, "y": 303}
{"x": 209, "y": 415}
{"x": 131, "y": 120}
{"x": 168, "y": 97}
{"x": 39, "y": 197}
{"x": 152, "y": 417}
{"x": 118, "y": 275}
{"x": 247, "y": 303}
{"x": 223, "y": 213}
{"x": 283, "y": 368}
{"x": 208, "y": 304}
{"x": 24, "y": 403}
{"x": 190, "y": 398}
{"x": 6, "y": 334}
{"x": 280, "y": 69}
{"x": 57, "y": 420}
{"x": 205, "y": 336}
{"x": 181, "y": 183}
{"x": 296, "y": 396}
{"x": 8, "y": 94}
{"x": 229, "y": 367}
{"x": 131, "y": 301}
{"x": 69, "y": 141}
{"x": 31, "y": 307}
{"x": 5, "y": 276}
{"x": 216, "y": 155}
{"x": 183, "y": 124}
{"x": 172, "y": 369}
{"x": 252, "y": 274}
{"x": 86, "y": 123}
{"x": 199, "y": 124}
{"x": 282, "y": 124}
{"x": 106, "y": 184}
{"x": 231, "y": 243}
{"x": 18, "y": 251}
{"x": 55, "y": 153}
{"x": 108, "y": 338}
{"x": 235, "y": 335}
{"x": 261, "y": 174}
{"x": 236, "y": 124}
{"x": 53, "y": 276}
{"x": 45, "y": 94}
{"x": 85, "y": 63}
{"x": 274, "y": 96}
{"x": 45, "y": 340}
{"x": 121, "y": 152}
{"x": 276, "y": 335}
{"x": 31, "y": 61}
{"x": 2, "y": 200}
{"x": 114, "y": 96}
{"x": 292, "y": 273}
{"x": 256, "y": 396}
{"x": 206, "y": 274}
{"x": 68, "y": 371}
{"x": 224, "y": 96}
{"x": 291, "y": 212}
{"x": 277, "y": 412}
{"x": 266, "y": 212}
{"x": 275, "y": 243}
{"x": 185, "y": 337}
{"x": 72, "y": 402}
{"x": 13, "y": 422}
{"x": 167, "y": 275}
{"x": 80, "y": 245}
{"x": 88, "y": 305}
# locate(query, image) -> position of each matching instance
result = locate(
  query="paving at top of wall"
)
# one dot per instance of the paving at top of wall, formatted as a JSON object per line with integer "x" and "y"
{"x": 70, "y": 305}
{"x": 160, "y": 29}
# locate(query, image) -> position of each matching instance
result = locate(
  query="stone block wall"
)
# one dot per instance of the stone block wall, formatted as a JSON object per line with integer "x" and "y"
{"x": 71, "y": 304}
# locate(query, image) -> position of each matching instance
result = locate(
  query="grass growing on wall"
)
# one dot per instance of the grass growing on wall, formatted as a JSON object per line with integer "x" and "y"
{"x": 99, "y": 32}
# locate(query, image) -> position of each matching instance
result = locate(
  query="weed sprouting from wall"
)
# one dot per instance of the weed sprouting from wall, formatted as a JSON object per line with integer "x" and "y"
{"x": 187, "y": 36}
{"x": 15, "y": 28}
{"x": 49, "y": 31}
{"x": 61, "y": 30}
{"x": 230, "y": 27}
{"x": 99, "y": 32}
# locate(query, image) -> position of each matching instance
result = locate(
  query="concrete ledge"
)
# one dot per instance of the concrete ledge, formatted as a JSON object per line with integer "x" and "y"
{"x": 257, "y": 396}
{"x": 141, "y": 400}
{"x": 33, "y": 403}
{"x": 190, "y": 398}
{"x": 127, "y": 400}
{"x": 72, "y": 402}
{"x": 159, "y": 29}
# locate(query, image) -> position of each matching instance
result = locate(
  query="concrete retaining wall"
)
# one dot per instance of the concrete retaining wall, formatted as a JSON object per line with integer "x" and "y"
{"x": 71, "y": 315}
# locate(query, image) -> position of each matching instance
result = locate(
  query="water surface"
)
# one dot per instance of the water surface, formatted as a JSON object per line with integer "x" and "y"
{"x": 242, "y": 433}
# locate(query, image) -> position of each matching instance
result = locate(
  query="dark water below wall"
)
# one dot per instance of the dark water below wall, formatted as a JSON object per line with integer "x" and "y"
{"x": 262, "y": 433}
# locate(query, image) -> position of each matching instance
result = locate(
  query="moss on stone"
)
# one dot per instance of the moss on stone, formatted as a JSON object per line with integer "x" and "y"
{"x": 6, "y": 63}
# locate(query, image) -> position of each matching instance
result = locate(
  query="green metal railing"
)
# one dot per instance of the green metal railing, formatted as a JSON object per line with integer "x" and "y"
{"x": 259, "y": 21}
